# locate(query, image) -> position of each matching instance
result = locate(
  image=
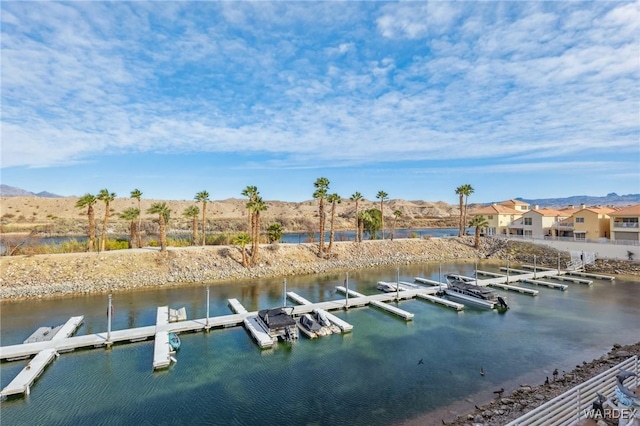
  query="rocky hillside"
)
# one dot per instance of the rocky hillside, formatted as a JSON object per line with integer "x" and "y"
{"x": 60, "y": 216}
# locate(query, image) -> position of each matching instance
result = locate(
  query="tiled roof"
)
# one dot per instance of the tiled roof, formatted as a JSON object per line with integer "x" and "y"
{"x": 627, "y": 211}
{"x": 551, "y": 212}
{"x": 495, "y": 209}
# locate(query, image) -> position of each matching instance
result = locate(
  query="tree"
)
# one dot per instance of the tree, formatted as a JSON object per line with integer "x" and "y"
{"x": 396, "y": 215}
{"x": 88, "y": 201}
{"x": 106, "y": 197}
{"x": 382, "y": 196}
{"x": 333, "y": 199}
{"x": 257, "y": 206}
{"x": 242, "y": 240}
{"x": 322, "y": 187}
{"x": 251, "y": 192}
{"x": 203, "y": 197}
{"x": 357, "y": 197}
{"x": 467, "y": 191}
{"x": 137, "y": 194}
{"x": 371, "y": 222}
{"x": 478, "y": 222}
{"x": 463, "y": 192}
{"x": 131, "y": 214}
{"x": 163, "y": 213}
{"x": 192, "y": 213}
{"x": 274, "y": 232}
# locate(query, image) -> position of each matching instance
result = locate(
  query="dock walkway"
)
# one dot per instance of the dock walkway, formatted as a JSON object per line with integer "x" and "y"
{"x": 161, "y": 349}
{"x": 344, "y": 326}
{"x": 407, "y": 316}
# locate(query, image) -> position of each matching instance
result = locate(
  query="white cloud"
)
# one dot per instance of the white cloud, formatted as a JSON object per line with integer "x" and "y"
{"x": 319, "y": 82}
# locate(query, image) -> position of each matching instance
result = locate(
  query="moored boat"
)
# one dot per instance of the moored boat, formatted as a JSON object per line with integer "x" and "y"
{"x": 279, "y": 323}
{"x": 468, "y": 291}
{"x": 174, "y": 341}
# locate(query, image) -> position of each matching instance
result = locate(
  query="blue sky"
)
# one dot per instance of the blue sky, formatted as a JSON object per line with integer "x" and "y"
{"x": 518, "y": 99}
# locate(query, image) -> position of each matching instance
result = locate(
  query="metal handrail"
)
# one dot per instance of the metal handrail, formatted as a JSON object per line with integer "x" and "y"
{"x": 570, "y": 407}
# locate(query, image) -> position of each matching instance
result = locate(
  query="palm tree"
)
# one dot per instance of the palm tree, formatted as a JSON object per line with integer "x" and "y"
{"x": 333, "y": 199}
{"x": 257, "y": 206}
{"x": 357, "y": 197}
{"x": 463, "y": 192}
{"x": 382, "y": 196}
{"x": 137, "y": 194}
{"x": 467, "y": 191}
{"x": 322, "y": 187}
{"x": 106, "y": 197}
{"x": 192, "y": 213}
{"x": 250, "y": 192}
{"x": 396, "y": 215}
{"x": 479, "y": 222}
{"x": 163, "y": 213}
{"x": 88, "y": 201}
{"x": 203, "y": 197}
{"x": 131, "y": 214}
{"x": 274, "y": 232}
{"x": 242, "y": 240}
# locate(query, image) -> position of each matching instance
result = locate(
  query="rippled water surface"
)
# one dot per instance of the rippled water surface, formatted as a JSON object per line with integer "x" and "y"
{"x": 368, "y": 377}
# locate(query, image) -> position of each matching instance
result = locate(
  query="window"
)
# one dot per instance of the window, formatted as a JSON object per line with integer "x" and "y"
{"x": 579, "y": 219}
{"x": 528, "y": 221}
{"x": 490, "y": 217}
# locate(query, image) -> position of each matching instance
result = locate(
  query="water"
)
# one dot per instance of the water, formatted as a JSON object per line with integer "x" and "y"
{"x": 368, "y": 377}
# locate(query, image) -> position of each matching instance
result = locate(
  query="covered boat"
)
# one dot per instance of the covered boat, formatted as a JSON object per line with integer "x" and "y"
{"x": 469, "y": 291}
{"x": 279, "y": 323}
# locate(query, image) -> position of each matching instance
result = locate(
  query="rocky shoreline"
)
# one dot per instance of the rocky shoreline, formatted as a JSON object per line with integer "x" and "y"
{"x": 506, "y": 408}
{"x": 25, "y": 277}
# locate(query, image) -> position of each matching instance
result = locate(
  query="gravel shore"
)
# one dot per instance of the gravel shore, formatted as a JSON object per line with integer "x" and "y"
{"x": 24, "y": 277}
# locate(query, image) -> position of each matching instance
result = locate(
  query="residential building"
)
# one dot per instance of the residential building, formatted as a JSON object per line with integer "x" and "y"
{"x": 517, "y": 205}
{"x": 624, "y": 224}
{"x": 498, "y": 216}
{"x": 591, "y": 223}
{"x": 537, "y": 223}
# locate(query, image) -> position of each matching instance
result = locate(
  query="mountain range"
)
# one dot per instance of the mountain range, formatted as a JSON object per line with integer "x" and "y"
{"x": 611, "y": 199}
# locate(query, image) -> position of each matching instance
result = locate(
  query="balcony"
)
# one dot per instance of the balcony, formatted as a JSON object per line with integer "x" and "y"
{"x": 625, "y": 225}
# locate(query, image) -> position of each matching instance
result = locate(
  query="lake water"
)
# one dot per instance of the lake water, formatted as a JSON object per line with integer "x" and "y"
{"x": 368, "y": 377}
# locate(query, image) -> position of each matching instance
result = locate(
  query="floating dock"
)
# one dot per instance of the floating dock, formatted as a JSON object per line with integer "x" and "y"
{"x": 162, "y": 349}
{"x": 558, "y": 286}
{"x": 24, "y": 380}
{"x": 441, "y": 301}
{"x": 344, "y": 326}
{"x": 576, "y": 273}
{"x": 236, "y": 306}
{"x": 260, "y": 335}
{"x": 499, "y": 282}
{"x": 407, "y": 316}
{"x": 542, "y": 273}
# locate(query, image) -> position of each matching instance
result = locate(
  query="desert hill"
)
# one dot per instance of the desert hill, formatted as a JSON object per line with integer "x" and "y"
{"x": 59, "y": 215}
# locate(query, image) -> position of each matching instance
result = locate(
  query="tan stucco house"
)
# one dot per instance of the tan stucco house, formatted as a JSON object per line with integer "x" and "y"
{"x": 624, "y": 224}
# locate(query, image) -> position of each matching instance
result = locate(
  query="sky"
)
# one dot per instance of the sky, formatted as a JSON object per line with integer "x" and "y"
{"x": 517, "y": 99}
